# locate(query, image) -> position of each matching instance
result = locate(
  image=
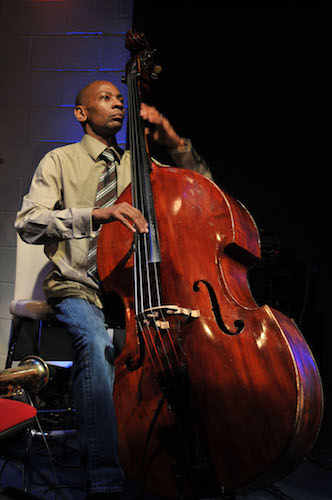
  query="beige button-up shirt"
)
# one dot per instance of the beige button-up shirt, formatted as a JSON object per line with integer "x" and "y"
{"x": 57, "y": 210}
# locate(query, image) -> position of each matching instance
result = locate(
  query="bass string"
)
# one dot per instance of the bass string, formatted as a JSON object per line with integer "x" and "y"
{"x": 137, "y": 159}
{"x": 146, "y": 276}
{"x": 149, "y": 282}
{"x": 132, "y": 148}
{"x": 140, "y": 255}
{"x": 140, "y": 162}
{"x": 142, "y": 247}
{"x": 153, "y": 277}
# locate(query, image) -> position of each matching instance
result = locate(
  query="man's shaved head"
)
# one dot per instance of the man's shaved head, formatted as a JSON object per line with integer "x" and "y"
{"x": 83, "y": 94}
{"x": 100, "y": 110}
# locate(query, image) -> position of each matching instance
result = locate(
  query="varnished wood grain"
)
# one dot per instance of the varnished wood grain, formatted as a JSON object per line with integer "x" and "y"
{"x": 255, "y": 398}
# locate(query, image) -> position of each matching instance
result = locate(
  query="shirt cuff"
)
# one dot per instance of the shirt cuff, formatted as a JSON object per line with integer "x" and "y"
{"x": 82, "y": 223}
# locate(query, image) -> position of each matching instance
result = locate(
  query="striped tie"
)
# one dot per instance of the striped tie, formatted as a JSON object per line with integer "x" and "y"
{"x": 106, "y": 197}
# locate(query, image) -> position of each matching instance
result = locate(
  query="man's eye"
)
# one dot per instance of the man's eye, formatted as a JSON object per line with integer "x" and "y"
{"x": 105, "y": 97}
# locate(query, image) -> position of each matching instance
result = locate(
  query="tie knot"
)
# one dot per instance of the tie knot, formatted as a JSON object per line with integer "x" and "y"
{"x": 107, "y": 155}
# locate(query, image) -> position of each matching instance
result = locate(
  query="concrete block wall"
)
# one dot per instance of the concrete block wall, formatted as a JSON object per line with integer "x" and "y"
{"x": 49, "y": 49}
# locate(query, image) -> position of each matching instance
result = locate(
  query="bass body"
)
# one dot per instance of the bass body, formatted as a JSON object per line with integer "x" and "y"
{"x": 238, "y": 402}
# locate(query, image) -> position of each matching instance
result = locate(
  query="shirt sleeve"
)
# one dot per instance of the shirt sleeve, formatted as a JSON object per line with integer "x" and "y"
{"x": 186, "y": 157}
{"x": 41, "y": 217}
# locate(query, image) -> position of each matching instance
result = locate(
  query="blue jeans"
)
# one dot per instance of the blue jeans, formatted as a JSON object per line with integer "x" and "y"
{"x": 93, "y": 380}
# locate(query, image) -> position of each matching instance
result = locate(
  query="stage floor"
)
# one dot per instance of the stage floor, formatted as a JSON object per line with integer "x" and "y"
{"x": 312, "y": 480}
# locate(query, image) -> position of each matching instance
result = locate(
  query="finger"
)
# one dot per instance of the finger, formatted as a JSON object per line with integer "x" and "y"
{"x": 141, "y": 225}
{"x": 136, "y": 217}
{"x": 126, "y": 223}
{"x": 137, "y": 226}
{"x": 151, "y": 114}
{"x": 144, "y": 111}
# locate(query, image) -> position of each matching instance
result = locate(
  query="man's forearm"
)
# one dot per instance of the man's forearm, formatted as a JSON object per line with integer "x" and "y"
{"x": 185, "y": 156}
{"x": 39, "y": 225}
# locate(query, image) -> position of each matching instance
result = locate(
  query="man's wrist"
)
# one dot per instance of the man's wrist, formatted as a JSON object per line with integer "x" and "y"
{"x": 183, "y": 146}
{"x": 95, "y": 224}
{"x": 180, "y": 143}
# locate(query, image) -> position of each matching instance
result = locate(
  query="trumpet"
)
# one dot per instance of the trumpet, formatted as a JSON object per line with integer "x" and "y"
{"x": 32, "y": 374}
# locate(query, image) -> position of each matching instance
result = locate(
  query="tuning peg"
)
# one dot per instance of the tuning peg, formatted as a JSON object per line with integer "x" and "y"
{"x": 155, "y": 72}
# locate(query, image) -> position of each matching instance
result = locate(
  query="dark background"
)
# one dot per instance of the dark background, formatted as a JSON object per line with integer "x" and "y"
{"x": 249, "y": 87}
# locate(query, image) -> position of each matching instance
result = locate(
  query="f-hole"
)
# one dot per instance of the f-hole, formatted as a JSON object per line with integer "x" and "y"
{"x": 239, "y": 324}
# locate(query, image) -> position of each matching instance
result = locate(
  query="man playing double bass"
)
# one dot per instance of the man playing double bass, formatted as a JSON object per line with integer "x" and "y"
{"x": 62, "y": 212}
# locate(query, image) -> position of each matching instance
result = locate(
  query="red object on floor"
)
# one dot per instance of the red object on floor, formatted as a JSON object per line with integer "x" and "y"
{"x": 14, "y": 415}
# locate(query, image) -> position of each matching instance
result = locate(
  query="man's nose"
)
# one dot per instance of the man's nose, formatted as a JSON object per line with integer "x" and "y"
{"x": 117, "y": 103}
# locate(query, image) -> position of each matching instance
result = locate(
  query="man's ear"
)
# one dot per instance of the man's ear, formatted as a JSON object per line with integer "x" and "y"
{"x": 80, "y": 113}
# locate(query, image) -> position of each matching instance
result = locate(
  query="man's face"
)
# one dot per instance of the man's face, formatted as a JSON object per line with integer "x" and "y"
{"x": 103, "y": 106}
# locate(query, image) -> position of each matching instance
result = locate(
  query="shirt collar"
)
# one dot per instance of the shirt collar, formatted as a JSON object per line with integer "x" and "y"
{"x": 95, "y": 147}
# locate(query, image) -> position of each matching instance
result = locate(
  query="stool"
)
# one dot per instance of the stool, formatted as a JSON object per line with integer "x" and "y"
{"x": 29, "y": 304}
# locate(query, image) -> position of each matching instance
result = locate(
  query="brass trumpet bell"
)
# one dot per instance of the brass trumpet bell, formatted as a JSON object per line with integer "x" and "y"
{"x": 32, "y": 374}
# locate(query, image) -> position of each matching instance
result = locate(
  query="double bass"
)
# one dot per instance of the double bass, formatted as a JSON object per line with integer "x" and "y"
{"x": 213, "y": 394}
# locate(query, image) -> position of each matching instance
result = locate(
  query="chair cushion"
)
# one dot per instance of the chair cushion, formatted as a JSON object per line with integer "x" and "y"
{"x": 33, "y": 309}
{"x": 13, "y": 414}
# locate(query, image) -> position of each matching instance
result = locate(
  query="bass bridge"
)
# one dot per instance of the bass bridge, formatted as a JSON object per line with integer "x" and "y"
{"x": 159, "y": 333}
